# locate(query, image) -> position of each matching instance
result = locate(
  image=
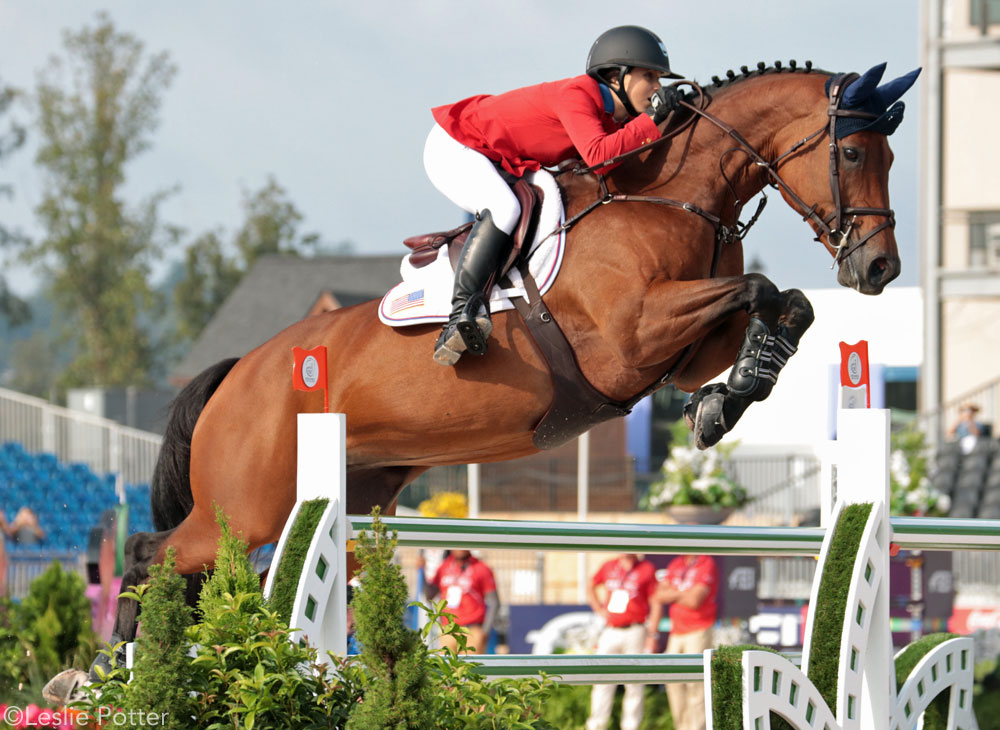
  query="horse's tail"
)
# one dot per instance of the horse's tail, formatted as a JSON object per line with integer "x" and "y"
{"x": 171, "y": 487}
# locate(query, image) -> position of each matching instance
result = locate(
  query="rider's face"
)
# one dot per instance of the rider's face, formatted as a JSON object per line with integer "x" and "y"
{"x": 640, "y": 85}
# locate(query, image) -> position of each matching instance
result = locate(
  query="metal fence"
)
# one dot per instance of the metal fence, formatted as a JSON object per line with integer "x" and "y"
{"x": 22, "y": 568}
{"x": 103, "y": 445}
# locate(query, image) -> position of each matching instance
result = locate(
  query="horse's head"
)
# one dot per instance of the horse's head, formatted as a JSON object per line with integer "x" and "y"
{"x": 838, "y": 176}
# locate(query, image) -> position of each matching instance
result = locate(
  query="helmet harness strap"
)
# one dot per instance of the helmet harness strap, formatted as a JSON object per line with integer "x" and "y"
{"x": 620, "y": 92}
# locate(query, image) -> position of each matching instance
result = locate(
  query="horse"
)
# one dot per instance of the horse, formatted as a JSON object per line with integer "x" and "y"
{"x": 652, "y": 288}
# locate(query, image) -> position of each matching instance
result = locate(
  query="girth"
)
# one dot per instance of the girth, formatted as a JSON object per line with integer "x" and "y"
{"x": 577, "y": 406}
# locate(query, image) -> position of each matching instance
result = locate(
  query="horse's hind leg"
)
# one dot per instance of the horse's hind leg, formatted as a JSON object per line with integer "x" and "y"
{"x": 140, "y": 552}
{"x": 777, "y": 322}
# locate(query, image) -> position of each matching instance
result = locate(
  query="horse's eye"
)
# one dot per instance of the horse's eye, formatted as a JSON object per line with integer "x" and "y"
{"x": 851, "y": 154}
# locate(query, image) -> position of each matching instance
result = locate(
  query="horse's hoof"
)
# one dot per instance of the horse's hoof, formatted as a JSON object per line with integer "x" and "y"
{"x": 690, "y": 411}
{"x": 66, "y": 687}
{"x": 709, "y": 423}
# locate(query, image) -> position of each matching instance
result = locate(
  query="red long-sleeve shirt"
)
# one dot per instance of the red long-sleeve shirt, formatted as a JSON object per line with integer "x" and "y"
{"x": 543, "y": 125}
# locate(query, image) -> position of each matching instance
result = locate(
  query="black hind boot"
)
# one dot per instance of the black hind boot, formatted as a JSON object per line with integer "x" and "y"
{"x": 469, "y": 325}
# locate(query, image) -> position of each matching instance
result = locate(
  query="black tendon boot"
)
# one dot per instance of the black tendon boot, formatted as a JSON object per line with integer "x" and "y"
{"x": 469, "y": 325}
{"x": 761, "y": 358}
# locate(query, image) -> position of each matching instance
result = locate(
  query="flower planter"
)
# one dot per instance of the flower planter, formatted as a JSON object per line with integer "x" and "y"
{"x": 698, "y": 514}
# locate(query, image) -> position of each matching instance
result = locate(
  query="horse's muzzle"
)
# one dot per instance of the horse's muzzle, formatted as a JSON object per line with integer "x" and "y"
{"x": 868, "y": 274}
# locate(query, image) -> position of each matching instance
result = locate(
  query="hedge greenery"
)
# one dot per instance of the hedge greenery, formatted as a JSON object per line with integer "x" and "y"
{"x": 936, "y": 715}
{"x": 293, "y": 557}
{"x": 828, "y": 623}
{"x": 727, "y": 688}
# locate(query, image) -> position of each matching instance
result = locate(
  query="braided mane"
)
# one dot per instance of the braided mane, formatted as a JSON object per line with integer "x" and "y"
{"x": 762, "y": 69}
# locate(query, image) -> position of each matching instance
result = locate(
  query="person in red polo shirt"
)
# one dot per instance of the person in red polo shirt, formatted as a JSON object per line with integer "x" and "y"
{"x": 615, "y": 107}
{"x": 628, "y": 583}
{"x": 470, "y": 592}
{"x": 689, "y": 587}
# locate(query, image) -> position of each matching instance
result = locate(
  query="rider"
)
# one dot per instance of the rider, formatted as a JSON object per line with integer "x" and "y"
{"x": 615, "y": 108}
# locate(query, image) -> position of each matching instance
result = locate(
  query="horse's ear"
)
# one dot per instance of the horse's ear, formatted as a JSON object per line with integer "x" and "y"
{"x": 892, "y": 90}
{"x": 860, "y": 90}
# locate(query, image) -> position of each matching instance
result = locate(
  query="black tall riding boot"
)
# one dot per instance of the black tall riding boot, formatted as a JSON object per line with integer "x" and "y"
{"x": 469, "y": 325}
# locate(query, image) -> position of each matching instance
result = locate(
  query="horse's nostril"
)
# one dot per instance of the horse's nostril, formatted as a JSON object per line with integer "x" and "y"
{"x": 882, "y": 270}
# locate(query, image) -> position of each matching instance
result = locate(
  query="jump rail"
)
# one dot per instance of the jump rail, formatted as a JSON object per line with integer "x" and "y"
{"x": 910, "y": 533}
{"x": 863, "y": 477}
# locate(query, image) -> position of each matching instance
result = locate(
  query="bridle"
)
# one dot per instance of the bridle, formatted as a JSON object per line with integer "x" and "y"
{"x": 832, "y": 226}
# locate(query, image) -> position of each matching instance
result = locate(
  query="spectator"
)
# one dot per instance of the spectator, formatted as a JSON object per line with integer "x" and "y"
{"x": 470, "y": 593}
{"x": 967, "y": 430}
{"x": 104, "y": 584}
{"x": 689, "y": 588}
{"x": 628, "y": 583}
{"x": 24, "y": 528}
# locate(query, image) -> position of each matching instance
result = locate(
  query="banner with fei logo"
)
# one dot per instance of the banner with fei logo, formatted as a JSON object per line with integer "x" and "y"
{"x": 855, "y": 389}
{"x": 309, "y": 371}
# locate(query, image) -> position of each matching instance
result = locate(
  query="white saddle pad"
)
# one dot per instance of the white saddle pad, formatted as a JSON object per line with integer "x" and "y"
{"x": 424, "y": 296}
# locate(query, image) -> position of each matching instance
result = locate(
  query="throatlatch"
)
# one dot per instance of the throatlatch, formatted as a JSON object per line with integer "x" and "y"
{"x": 761, "y": 357}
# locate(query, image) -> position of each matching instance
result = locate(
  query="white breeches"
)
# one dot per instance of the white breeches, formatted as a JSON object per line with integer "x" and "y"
{"x": 469, "y": 179}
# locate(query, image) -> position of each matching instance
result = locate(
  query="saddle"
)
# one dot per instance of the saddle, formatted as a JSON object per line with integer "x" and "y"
{"x": 425, "y": 247}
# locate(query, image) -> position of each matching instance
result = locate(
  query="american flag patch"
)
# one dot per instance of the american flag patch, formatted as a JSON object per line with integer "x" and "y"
{"x": 413, "y": 299}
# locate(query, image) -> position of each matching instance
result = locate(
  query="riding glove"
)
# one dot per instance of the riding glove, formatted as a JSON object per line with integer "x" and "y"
{"x": 664, "y": 101}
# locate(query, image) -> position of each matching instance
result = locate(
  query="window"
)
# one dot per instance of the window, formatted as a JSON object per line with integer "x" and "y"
{"x": 984, "y": 240}
{"x": 984, "y": 12}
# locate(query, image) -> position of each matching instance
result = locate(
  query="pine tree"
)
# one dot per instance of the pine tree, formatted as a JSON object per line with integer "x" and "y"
{"x": 161, "y": 661}
{"x": 232, "y": 576}
{"x": 398, "y": 694}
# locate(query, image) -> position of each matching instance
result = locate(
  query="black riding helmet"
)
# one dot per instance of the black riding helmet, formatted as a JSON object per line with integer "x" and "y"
{"x": 624, "y": 48}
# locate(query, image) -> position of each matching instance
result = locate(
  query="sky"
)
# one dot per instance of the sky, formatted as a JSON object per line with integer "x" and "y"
{"x": 333, "y": 99}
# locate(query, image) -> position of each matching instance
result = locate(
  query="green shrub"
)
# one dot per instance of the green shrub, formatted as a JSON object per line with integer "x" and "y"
{"x": 986, "y": 695}
{"x": 161, "y": 649}
{"x": 568, "y": 706}
{"x": 397, "y": 693}
{"x": 47, "y": 632}
{"x": 248, "y": 674}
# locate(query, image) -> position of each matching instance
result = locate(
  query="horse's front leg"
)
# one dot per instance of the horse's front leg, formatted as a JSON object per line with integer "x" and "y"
{"x": 777, "y": 322}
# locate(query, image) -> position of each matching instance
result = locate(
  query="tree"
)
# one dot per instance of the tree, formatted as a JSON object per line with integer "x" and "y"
{"x": 11, "y": 138}
{"x": 97, "y": 107}
{"x": 271, "y": 225}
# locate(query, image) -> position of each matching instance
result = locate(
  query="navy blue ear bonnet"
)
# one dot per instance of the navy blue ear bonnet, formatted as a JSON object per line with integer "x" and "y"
{"x": 865, "y": 95}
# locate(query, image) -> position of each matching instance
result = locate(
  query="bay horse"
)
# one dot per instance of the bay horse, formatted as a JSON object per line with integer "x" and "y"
{"x": 652, "y": 282}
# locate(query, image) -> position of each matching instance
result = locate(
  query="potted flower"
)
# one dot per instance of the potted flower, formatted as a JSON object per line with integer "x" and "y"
{"x": 911, "y": 491}
{"x": 694, "y": 486}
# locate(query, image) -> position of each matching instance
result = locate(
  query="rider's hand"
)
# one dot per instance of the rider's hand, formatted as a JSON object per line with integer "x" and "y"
{"x": 664, "y": 101}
